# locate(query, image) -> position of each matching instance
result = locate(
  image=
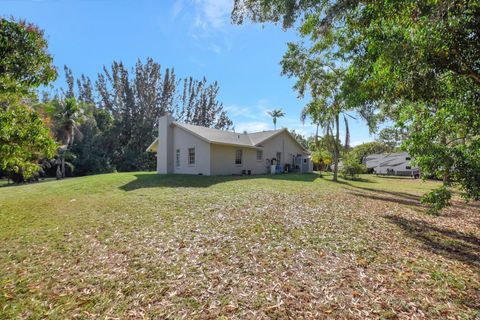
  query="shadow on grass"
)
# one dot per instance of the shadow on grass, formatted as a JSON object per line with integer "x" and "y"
{"x": 9, "y": 184}
{"x": 348, "y": 183}
{"x": 394, "y": 177}
{"x": 451, "y": 244}
{"x": 392, "y": 197}
{"x": 146, "y": 180}
{"x": 388, "y": 196}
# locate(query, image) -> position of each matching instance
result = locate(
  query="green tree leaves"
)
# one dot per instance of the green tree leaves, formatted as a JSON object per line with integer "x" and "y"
{"x": 414, "y": 62}
{"x": 24, "y": 139}
{"x": 25, "y": 62}
{"x": 24, "y": 65}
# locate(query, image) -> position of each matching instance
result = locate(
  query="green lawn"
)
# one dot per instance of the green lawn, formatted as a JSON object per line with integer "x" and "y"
{"x": 139, "y": 245}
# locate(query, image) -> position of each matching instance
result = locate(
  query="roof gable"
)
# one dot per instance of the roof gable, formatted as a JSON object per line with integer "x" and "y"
{"x": 274, "y": 133}
{"x": 217, "y": 136}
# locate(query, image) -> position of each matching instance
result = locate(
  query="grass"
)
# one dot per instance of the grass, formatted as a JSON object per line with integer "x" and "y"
{"x": 139, "y": 245}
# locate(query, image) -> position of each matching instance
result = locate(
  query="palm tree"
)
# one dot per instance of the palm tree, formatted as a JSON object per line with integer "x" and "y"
{"x": 66, "y": 115}
{"x": 327, "y": 116}
{"x": 275, "y": 114}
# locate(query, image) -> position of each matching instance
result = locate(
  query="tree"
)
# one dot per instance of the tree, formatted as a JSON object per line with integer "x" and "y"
{"x": 351, "y": 168}
{"x": 365, "y": 149}
{"x": 322, "y": 76}
{"x": 137, "y": 98}
{"x": 25, "y": 62}
{"x": 119, "y": 114}
{"x": 300, "y": 138}
{"x": 275, "y": 114}
{"x": 24, "y": 65}
{"x": 66, "y": 115}
{"x": 414, "y": 62}
{"x": 24, "y": 140}
{"x": 392, "y": 136}
{"x": 200, "y": 105}
{"x": 321, "y": 158}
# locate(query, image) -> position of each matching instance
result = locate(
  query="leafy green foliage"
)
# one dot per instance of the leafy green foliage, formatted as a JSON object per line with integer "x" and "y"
{"x": 24, "y": 65}
{"x": 322, "y": 79}
{"x": 392, "y": 136}
{"x": 25, "y": 62}
{"x": 24, "y": 140}
{"x": 300, "y": 138}
{"x": 414, "y": 62}
{"x": 368, "y": 148}
{"x": 351, "y": 168}
{"x": 437, "y": 199}
{"x": 321, "y": 158}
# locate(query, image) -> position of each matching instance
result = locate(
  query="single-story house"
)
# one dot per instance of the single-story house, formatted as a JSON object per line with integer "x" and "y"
{"x": 189, "y": 149}
{"x": 397, "y": 164}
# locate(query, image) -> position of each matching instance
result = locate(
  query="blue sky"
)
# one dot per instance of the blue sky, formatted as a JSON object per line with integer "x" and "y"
{"x": 193, "y": 36}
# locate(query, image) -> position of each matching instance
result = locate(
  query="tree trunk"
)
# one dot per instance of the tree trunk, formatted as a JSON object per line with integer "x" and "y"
{"x": 58, "y": 173}
{"x": 63, "y": 165}
{"x": 336, "y": 153}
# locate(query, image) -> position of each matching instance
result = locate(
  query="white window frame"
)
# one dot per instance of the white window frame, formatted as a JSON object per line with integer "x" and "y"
{"x": 177, "y": 158}
{"x": 190, "y": 157}
{"x": 259, "y": 155}
{"x": 237, "y": 152}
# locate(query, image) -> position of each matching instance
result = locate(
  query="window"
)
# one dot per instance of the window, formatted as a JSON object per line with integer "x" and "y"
{"x": 407, "y": 158}
{"x": 191, "y": 156}
{"x": 259, "y": 155}
{"x": 279, "y": 157}
{"x": 238, "y": 156}
{"x": 177, "y": 158}
{"x": 408, "y": 167}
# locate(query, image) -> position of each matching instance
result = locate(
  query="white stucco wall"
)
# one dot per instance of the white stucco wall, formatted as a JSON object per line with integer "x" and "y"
{"x": 283, "y": 143}
{"x": 184, "y": 140}
{"x": 164, "y": 147}
{"x": 223, "y": 157}
{"x": 217, "y": 159}
{"x": 223, "y": 160}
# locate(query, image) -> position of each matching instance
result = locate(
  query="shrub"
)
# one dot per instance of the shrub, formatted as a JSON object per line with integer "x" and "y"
{"x": 351, "y": 168}
{"x": 437, "y": 199}
{"x": 321, "y": 158}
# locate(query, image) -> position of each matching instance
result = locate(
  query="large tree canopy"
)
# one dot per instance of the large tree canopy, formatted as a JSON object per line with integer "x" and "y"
{"x": 413, "y": 61}
{"x": 24, "y": 65}
{"x": 24, "y": 60}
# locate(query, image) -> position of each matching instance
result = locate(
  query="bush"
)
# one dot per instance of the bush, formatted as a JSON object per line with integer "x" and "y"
{"x": 437, "y": 199}
{"x": 321, "y": 159}
{"x": 351, "y": 168}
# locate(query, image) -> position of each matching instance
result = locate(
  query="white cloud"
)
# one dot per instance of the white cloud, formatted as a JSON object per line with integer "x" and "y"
{"x": 177, "y": 8}
{"x": 209, "y": 22}
{"x": 239, "y": 111}
{"x": 212, "y": 13}
{"x": 253, "y": 126}
{"x": 255, "y": 118}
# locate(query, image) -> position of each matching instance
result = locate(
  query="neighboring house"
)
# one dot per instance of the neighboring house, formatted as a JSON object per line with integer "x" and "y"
{"x": 189, "y": 149}
{"x": 397, "y": 164}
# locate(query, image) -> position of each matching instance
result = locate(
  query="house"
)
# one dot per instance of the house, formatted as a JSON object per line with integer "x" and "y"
{"x": 189, "y": 149}
{"x": 397, "y": 164}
